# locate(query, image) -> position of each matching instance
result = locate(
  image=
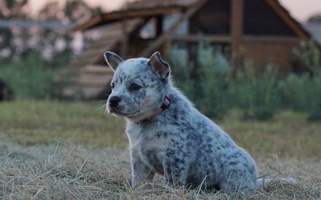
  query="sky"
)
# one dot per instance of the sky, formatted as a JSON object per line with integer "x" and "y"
{"x": 299, "y": 9}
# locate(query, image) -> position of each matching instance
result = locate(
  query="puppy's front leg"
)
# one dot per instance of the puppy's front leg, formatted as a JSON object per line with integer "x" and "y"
{"x": 175, "y": 170}
{"x": 140, "y": 171}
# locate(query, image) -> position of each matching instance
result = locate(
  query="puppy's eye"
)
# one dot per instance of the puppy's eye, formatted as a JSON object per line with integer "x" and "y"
{"x": 112, "y": 85}
{"x": 134, "y": 87}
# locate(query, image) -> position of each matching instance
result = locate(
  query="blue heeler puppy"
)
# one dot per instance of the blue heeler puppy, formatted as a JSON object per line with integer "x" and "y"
{"x": 167, "y": 135}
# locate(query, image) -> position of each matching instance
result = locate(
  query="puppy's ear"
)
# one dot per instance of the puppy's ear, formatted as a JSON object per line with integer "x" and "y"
{"x": 112, "y": 59}
{"x": 158, "y": 65}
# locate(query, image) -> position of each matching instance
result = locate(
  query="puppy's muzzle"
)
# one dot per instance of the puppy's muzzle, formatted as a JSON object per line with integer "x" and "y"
{"x": 114, "y": 101}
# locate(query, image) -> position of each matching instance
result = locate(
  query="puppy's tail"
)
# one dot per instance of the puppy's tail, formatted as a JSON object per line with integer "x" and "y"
{"x": 262, "y": 182}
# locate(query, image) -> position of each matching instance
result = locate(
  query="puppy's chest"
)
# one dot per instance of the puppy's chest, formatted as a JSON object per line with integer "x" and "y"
{"x": 150, "y": 145}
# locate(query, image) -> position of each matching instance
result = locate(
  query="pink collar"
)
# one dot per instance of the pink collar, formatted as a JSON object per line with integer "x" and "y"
{"x": 163, "y": 107}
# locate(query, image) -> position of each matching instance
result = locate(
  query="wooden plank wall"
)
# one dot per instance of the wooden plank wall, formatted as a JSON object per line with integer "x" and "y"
{"x": 262, "y": 52}
{"x": 94, "y": 80}
{"x": 91, "y": 82}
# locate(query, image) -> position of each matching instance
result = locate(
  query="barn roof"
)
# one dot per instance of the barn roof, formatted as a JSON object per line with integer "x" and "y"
{"x": 288, "y": 19}
{"x": 142, "y": 8}
{"x": 151, "y": 8}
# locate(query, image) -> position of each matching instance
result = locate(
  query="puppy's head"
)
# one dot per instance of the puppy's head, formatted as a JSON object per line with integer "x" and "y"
{"x": 139, "y": 85}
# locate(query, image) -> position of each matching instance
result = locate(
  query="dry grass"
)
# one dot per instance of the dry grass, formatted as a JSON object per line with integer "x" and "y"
{"x": 55, "y": 150}
{"x": 72, "y": 172}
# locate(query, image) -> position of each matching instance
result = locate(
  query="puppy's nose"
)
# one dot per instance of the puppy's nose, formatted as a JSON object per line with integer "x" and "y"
{"x": 114, "y": 101}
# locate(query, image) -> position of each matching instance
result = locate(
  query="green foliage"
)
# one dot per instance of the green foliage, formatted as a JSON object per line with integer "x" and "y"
{"x": 292, "y": 91}
{"x": 31, "y": 78}
{"x": 258, "y": 95}
{"x": 314, "y": 98}
{"x": 182, "y": 73}
{"x": 309, "y": 55}
{"x": 214, "y": 99}
{"x": 207, "y": 86}
{"x": 255, "y": 94}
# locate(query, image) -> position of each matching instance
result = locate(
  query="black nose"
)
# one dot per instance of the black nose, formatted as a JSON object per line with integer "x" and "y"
{"x": 114, "y": 101}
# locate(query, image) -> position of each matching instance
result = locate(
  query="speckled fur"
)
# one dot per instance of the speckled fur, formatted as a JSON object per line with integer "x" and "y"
{"x": 180, "y": 143}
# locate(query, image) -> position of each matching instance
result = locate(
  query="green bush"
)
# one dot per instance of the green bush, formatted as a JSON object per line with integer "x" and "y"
{"x": 314, "y": 98}
{"x": 205, "y": 84}
{"x": 302, "y": 93}
{"x": 215, "y": 98}
{"x": 182, "y": 73}
{"x": 293, "y": 92}
{"x": 256, "y": 94}
{"x": 31, "y": 78}
{"x": 309, "y": 55}
{"x": 259, "y": 95}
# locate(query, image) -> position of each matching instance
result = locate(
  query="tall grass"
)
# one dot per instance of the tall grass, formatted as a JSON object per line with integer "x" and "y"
{"x": 258, "y": 95}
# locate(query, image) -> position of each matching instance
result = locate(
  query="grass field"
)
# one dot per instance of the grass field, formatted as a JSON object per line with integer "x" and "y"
{"x": 59, "y": 150}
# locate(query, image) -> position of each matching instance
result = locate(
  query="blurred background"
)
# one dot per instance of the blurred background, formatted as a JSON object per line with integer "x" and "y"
{"x": 252, "y": 65}
{"x": 53, "y": 49}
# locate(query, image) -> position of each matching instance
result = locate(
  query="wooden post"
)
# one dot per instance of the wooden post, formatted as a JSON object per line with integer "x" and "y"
{"x": 193, "y": 58}
{"x": 159, "y": 25}
{"x": 237, "y": 14}
{"x": 124, "y": 41}
{"x": 167, "y": 49}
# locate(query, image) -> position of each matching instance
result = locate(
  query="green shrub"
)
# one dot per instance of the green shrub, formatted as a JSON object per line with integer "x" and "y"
{"x": 303, "y": 93}
{"x": 208, "y": 89}
{"x": 182, "y": 73}
{"x": 256, "y": 94}
{"x": 313, "y": 98}
{"x": 309, "y": 55}
{"x": 293, "y": 92}
{"x": 259, "y": 95}
{"x": 31, "y": 78}
{"x": 214, "y": 81}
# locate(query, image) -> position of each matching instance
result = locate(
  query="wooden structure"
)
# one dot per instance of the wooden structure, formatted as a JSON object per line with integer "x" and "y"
{"x": 257, "y": 30}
